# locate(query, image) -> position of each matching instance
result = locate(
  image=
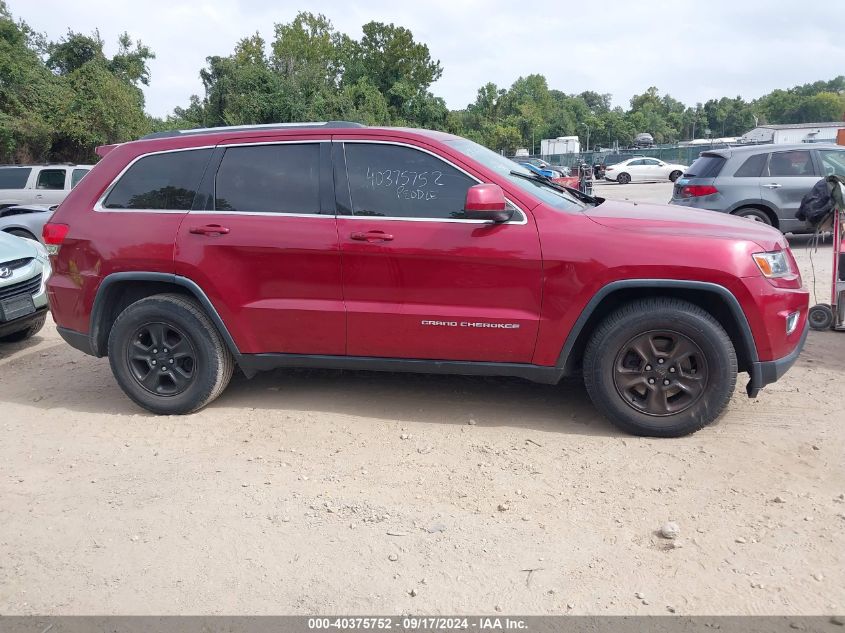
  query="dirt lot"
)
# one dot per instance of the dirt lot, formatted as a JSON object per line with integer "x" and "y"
{"x": 340, "y": 492}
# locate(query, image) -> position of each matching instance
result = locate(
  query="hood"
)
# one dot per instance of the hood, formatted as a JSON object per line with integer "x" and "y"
{"x": 12, "y": 248}
{"x": 672, "y": 220}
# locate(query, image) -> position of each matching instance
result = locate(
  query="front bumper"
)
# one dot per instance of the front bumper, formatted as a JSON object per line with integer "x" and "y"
{"x": 768, "y": 371}
{"x": 21, "y": 323}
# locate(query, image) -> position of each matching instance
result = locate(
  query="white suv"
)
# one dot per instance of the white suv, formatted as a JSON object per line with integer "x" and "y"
{"x": 38, "y": 184}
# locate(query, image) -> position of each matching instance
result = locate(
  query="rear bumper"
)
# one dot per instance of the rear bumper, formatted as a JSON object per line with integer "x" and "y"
{"x": 768, "y": 371}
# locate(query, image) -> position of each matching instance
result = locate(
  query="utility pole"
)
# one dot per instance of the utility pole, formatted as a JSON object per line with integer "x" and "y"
{"x": 588, "y": 136}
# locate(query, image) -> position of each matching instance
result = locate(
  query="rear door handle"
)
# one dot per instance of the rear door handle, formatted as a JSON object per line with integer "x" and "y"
{"x": 209, "y": 229}
{"x": 773, "y": 185}
{"x": 371, "y": 236}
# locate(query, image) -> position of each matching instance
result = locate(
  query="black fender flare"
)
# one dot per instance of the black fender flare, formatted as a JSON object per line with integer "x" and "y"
{"x": 750, "y": 348}
{"x": 192, "y": 287}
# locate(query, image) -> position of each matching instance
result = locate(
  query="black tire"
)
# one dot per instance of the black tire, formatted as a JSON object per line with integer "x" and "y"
{"x": 755, "y": 214}
{"x": 621, "y": 382}
{"x": 820, "y": 316}
{"x": 674, "y": 175}
{"x": 623, "y": 178}
{"x": 22, "y": 233}
{"x": 193, "y": 372}
{"x": 28, "y": 332}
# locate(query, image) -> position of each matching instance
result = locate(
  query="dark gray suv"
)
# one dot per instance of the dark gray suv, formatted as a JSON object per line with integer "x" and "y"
{"x": 760, "y": 182}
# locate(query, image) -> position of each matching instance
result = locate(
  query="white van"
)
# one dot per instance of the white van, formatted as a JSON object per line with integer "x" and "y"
{"x": 38, "y": 184}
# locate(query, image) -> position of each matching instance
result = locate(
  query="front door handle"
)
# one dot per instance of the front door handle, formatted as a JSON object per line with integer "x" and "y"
{"x": 773, "y": 185}
{"x": 211, "y": 230}
{"x": 371, "y": 236}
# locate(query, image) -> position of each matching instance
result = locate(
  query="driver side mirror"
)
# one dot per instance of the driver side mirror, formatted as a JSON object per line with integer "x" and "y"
{"x": 487, "y": 202}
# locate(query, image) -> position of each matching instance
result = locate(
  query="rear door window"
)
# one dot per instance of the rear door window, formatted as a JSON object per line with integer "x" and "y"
{"x": 650, "y": 161}
{"x": 282, "y": 178}
{"x": 14, "y": 177}
{"x": 76, "y": 176}
{"x": 833, "y": 162}
{"x": 166, "y": 181}
{"x": 752, "y": 167}
{"x": 793, "y": 164}
{"x": 51, "y": 179}
{"x": 705, "y": 166}
{"x": 403, "y": 182}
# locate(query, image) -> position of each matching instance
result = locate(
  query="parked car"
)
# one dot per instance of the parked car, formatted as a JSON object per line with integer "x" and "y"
{"x": 643, "y": 139}
{"x": 560, "y": 170}
{"x": 38, "y": 184}
{"x": 336, "y": 245}
{"x": 547, "y": 173}
{"x": 26, "y": 220}
{"x": 764, "y": 183}
{"x": 643, "y": 170}
{"x": 24, "y": 271}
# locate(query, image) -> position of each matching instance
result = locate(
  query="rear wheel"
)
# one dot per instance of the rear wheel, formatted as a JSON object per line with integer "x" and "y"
{"x": 755, "y": 214}
{"x": 660, "y": 367}
{"x": 623, "y": 178}
{"x": 674, "y": 175}
{"x": 167, "y": 356}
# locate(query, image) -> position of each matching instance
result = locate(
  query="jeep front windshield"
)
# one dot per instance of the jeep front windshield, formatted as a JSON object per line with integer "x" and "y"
{"x": 537, "y": 187}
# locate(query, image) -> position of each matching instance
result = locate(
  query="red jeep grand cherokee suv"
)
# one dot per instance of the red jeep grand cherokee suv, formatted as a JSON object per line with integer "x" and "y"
{"x": 184, "y": 254}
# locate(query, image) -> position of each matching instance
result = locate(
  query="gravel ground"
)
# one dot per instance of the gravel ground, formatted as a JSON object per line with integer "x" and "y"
{"x": 346, "y": 492}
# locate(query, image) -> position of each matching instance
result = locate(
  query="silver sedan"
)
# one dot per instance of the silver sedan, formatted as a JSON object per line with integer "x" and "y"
{"x": 26, "y": 220}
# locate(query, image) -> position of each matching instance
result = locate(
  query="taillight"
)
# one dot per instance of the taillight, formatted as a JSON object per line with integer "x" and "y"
{"x": 54, "y": 234}
{"x": 696, "y": 191}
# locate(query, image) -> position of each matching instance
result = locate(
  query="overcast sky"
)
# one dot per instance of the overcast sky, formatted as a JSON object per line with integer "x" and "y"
{"x": 692, "y": 50}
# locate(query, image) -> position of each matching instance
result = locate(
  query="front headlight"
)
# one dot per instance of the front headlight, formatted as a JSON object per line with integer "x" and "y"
{"x": 773, "y": 264}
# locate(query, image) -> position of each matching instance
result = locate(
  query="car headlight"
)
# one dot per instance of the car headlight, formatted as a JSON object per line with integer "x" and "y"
{"x": 773, "y": 264}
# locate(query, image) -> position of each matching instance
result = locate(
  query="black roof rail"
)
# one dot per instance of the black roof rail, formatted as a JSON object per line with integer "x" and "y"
{"x": 250, "y": 128}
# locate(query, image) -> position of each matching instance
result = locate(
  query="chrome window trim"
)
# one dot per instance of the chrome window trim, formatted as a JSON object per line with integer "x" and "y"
{"x": 98, "y": 206}
{"x": 270, "y": 214}
{"x": 522, "y": 221}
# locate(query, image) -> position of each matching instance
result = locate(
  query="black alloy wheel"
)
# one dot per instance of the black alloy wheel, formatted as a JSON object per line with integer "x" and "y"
{"x": 161, "y": 358}
{"x": 660, "y": 373}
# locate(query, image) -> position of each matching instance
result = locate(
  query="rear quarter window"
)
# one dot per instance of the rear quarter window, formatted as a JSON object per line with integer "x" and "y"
{"x": 752, "y": 167}
{"x": 160, "y": 181}
{"x": 706, "y": 166}
{"x": 14, "y": 177}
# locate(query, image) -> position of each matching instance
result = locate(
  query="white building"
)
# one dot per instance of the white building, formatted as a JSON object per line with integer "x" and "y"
{"x": 794, "y": 133}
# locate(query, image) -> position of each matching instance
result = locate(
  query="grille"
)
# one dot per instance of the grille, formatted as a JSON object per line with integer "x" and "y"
{"x": 17, "y": 263}
{"x": 28, "y": 287}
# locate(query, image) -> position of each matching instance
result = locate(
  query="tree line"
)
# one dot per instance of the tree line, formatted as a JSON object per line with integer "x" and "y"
{"x": 60, "y": 99}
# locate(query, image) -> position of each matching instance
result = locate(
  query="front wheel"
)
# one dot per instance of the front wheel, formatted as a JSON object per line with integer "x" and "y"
{"x": 660, "y": 367}
{"x": 623, "y": 178}
{"x": 167, "y": 356}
